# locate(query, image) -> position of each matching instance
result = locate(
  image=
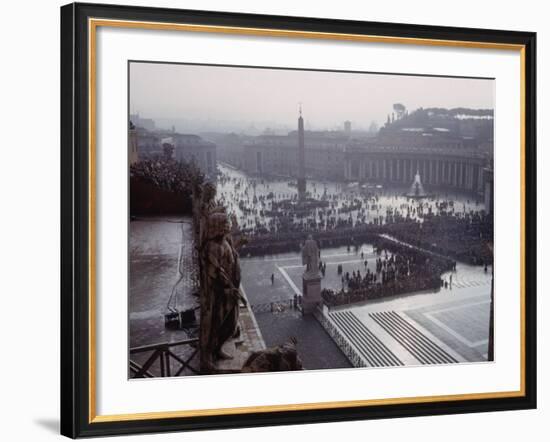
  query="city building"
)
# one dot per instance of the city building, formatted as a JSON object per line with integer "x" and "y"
{"x": 449, "y": 149}
{"x": 439, "y": 166}
{"x": 278, "y": 155}
{"x": 132, "y": 144}
{"x": 148, "y": 143}
{"x": 347, "y": 127}
{"x": 144, "y": 123}
{"x": 193, "y": 149}
{"x": 185, "y": 147}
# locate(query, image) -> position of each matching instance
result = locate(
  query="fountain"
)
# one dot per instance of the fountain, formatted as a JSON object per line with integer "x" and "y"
{"x": 417, "y": 189}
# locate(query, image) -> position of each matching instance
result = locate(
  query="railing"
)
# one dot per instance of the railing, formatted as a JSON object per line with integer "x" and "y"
{"x": 351, "y": 353}
{"x": 164, "y": 354}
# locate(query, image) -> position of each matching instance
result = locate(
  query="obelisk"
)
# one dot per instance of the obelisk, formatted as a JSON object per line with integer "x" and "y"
{"x": 301, "y": 159}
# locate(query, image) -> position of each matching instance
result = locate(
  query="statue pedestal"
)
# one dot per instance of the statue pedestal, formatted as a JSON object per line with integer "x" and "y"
{"x": 249, "y": 341}
{"x": 311, "y": 289}
{"x": 239, "y": 352}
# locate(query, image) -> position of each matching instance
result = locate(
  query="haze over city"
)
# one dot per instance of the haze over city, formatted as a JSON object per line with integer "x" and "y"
{"x": 314, "y": 220}
{"x": 215, "y": 98}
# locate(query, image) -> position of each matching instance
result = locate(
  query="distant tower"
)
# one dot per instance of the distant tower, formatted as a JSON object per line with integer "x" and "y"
{"x": 347, "y": 127}
{"x": 301, "y": 159}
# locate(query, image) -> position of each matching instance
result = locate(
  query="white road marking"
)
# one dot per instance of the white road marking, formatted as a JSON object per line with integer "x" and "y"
{"x": 258, "y": 330}
{"x": 294, "y": 287}
{"x": 449, "y": 330}
{"x": 454, "y": 332}
{"x": 480, "y": 342}
{"x": 455, "y": 307}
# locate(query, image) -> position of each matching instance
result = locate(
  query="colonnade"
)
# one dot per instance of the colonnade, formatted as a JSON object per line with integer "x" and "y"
{"x": 464, "y": 174}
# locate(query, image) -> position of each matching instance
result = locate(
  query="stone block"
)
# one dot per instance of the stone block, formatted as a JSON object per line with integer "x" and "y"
{"x": 311, "y": 289}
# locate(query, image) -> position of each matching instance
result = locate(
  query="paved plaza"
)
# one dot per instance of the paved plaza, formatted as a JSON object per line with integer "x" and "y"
{"x": 161, "y": 261}
{"x": 448, "y": 325}
{"x": 443, "y": 326}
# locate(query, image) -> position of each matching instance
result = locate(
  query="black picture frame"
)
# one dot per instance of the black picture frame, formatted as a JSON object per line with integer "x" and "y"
{"x": 76, "y": 418}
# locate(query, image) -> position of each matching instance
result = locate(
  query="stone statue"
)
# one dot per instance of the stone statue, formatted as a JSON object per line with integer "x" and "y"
{"x": 281, "y": 358}
{"x": 311, "y": 279}
{"x": 220, "y": 294}
{"x": 310, "y": 257}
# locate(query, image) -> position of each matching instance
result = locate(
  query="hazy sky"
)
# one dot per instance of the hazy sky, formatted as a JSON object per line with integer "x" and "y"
{"x": 251, "y": 95}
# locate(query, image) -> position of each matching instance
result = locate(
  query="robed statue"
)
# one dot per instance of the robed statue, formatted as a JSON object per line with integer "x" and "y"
{"x": 220, "y": 294}
{"x": 310, "y": 257}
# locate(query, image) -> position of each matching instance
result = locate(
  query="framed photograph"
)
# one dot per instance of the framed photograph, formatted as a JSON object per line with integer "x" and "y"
{"x": 273, "y": 220}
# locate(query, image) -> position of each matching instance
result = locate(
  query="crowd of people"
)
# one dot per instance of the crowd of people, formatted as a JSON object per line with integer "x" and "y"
{"x": 167, "y": 174}
{"x": 272, "y": 218}
{"x": 464, "y": 236}
{"x": 274, "y": 221}
{"x": 416, "y": 239}
{"x": 398, "y": 269}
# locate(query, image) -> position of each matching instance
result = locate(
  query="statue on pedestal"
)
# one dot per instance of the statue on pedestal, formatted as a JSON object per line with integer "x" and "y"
{"x": 311, "y": 279}
{"x": 310, "y": 257}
